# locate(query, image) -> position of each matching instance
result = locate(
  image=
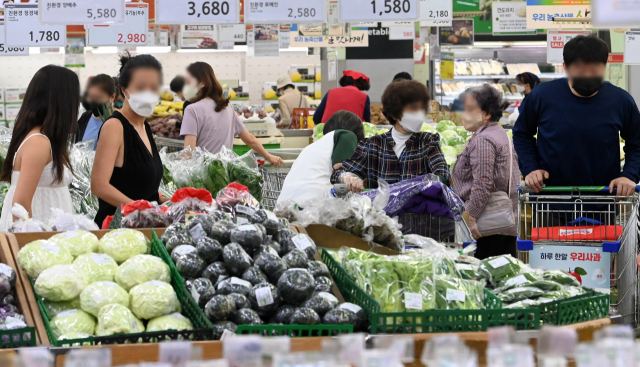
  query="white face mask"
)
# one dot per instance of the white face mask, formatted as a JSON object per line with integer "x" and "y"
{"x": 471, "y": 122}
{"x": 143, "y": 103}
{"x": 519, "y": 88}
{"x": 190, "y": 92}
{"x": 412, "y": 121}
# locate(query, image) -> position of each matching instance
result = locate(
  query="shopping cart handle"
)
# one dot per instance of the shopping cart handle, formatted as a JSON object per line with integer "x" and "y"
{"x": 285, "y": 161}
{"x": 570, "y": 189}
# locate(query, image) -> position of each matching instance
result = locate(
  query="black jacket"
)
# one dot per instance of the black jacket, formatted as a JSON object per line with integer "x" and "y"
{"x": 83, "y": 121}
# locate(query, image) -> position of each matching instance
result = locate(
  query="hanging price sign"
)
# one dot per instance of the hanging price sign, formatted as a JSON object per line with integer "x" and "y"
{"x": 23, "y": 29}
{"x": 436, "y": 13}
{"x": 81, "y": 12}
{"x": 556, "y": 40}
{"x": 378, "y": 10}
{"x": 233, "y": 33}
{"x": 10, "y": 51}
{"x": 284, "y": 11}
{"x": 632, "y": 48}
{"x": 132, "y": 33}
{"x": 197, "y": 11}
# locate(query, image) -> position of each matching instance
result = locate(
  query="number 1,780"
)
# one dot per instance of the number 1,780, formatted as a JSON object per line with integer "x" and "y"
{"x": 48, "y": 35}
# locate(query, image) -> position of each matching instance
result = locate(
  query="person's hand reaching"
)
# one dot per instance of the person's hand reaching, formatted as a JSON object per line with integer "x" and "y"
{"x": 473, "y": 227}
{"x": 535, "y": 179}
{"x": 625, "y": 186}
{"x": 275, "y": 161}
{"x": 353, "y": 182}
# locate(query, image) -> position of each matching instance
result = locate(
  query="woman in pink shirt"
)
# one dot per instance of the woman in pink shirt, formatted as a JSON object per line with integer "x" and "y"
{"x": 209, "y": 122}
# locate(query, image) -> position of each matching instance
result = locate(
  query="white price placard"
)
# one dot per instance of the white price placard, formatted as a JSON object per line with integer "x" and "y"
{"x": 284, "y": 11}
{"x": 632, "y": 47}
{"x": 402, "y": 33}
{"x": 616, "y": 13}
{"x": 509, "y": 17}
{"x": 132, "y": 33}
{"x": 81, "y": 12}
{"x": 10, "y": 51}
{"x": 555, "y": 47}
{"x": 233, "y": 33}
{"x": 378, "y": 10}
{"x": 197, "y": 11}
{"x": 436, "y": 13}
{"x": 23, "y": 29}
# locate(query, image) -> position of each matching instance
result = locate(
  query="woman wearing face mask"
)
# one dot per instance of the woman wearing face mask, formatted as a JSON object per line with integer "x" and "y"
{"x": 484, "y": 166}
{"x": 209, "y": 122}
{"x": 127, "y": 166}
{"x": 402, "y": 153}
{"x": 526, "y": 82}
{"x": 100, "y": 94}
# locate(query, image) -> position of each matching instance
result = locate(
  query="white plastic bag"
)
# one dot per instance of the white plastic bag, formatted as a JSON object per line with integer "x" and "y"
{"x": 24, "y": 223}
{"x": 63, "y": 222}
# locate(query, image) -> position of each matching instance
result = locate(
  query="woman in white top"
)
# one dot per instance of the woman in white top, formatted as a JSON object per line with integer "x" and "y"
{"x": 37, "y": 162}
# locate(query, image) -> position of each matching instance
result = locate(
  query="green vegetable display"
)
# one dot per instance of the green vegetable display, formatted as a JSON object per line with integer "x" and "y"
{"x": 217, "y": 178}
{"x": 501, "y": 267}
{"x": 459, "y": 294}
{"x": 241, "y": 173}
{"x": 520, "y": 293}
{"x": 370, "y": 130}
{"x": 561, "y": 277}
{"x": 445, "y": 125}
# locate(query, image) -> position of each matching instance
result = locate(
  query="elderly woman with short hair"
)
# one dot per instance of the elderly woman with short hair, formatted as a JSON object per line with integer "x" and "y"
{"x": 483, "y": 167}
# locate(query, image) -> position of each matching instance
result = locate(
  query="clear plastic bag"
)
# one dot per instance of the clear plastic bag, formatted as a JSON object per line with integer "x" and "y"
{"x": 188, "y": 200}
{"x": 141, "y": 269}
{"x": 175, "y": 321}
{"x": 153, "y": 299}
{"x": 122, "y": 244}
{"x": 144, "y": 214}
{"x": 61, "y": 283}
{"x": 81, "y": 156}
{"x": 68, "y": 222}
{"x": 236, "y": 200}
{"x": 99, "y": 294}
{"x": 501, "y": 267}
{"x": 40, "y": 255}
{"x": 117, "y": 319}
{"x": 24, "y": 223}
{"x": 459, "y": 294}
{"x": 98, "y": 267}
{"x": 77, "y": 241}
{"x": 73, "y": 321}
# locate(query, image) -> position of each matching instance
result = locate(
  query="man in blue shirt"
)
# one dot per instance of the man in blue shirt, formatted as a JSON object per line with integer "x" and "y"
{"x": 579, "y": 120}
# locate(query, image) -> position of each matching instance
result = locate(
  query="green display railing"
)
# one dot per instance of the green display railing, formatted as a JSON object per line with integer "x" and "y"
{"x": 585, "y": 307}
{"x": 18, "y": 338}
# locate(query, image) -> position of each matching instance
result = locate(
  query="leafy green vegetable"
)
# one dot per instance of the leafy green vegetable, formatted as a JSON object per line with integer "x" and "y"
{"x": 469, "y": 271}
{"x": 241, "y": 173}
{"x": 217, "y": 178}
{"x": 318, "y": 132}
{"x": 445, "y": 125}
{"x": 561, "y": 277}
{"x": 459, "y": 294}
{"x": 546, "y": 285}
{"x": 520, "y": 293}
{"x": 369, "y": 129}
{"x": 501, "y": 267}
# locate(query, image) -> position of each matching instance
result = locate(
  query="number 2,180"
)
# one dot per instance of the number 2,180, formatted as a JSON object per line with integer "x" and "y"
{"x": 395, "y": 6}
{"x": 45, "y": 35}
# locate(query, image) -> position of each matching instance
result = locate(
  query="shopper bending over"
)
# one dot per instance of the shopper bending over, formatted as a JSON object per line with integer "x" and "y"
{"x": 484, "y": 166}
{"x": 127, "y": 166}
{"x": 289, "y": 99}
{"x": 402, "y": 153}
{"x": 350, "y": 97}
{"x": 209, "y": 122}
{"x": 37, "y": 162}
{"x": 318, "y": 161}
{"x": 99, "y": 97}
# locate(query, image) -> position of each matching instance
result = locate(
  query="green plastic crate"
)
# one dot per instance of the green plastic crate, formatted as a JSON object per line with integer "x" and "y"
{"x": 18, "y": 338}
{"x": 581, "y": 308}
{"x": 432, "y": 321}
{"x": 265, "y": 330}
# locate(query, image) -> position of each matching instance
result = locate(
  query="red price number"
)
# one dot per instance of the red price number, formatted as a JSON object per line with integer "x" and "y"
{"x": 132, "y": 38}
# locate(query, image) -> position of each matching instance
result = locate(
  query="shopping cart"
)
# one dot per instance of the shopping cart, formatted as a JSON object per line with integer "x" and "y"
{"x": 274, "y": 176}
{"x": 173, "y": 145}
{"x": 589, "y": 231}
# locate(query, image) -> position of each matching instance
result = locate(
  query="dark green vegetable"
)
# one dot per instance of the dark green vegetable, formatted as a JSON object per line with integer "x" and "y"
{"x": 283, "y": 315}
{"x": 305, "y": 316}
{"x": 271, "y": 265}
{"x": 302, "y": 242}
{"x": 264, "y": 306}
{"x": 561, "y": 277}
{"x": 361, "y": 315}
{"x": 234, "y": 285}
{"x": 323, "y": 284}
{"x": 249, "y": 236}
{"x": 241, "y": 173}
{"x": 236, "y": 260}
{"x": 219, "y": 308}
{"x": 296, "y": 259}
{"x": 546, "y": 285}
{"x": 321, "y": 303}
{"x": 296, "y": 285}
{"x": 178, "y": 239}
{"x": 254, "y": 276}
{"x": 220, "y": 326}
{"x": 181, "y": 250}
{"x": 268, "y": 220}
{"x": 214, "y": 271}
{"x": 340, "y": 316}
{"x": 283, "y": 237}
{"x": 221, "y": 231}
{"x": 520, "y": 293}
{"x": 501, "y": 267}
{"x": 318, "y": 268}
{"x": 264, "y": 248}
{"x": 240, "y": 301}
{"x": 218, "y": 215}
{"x": 246, "y": 316}
{"x": 190, "y": 265}
{"x": 204, "y": 220}
{"x": 206, "y": 297}
{"x": 217, "y": 178}
{"x": 209, "y": 250}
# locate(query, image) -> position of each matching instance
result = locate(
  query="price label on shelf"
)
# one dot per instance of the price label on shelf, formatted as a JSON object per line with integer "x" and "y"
{"x": 197, "y": 11}
{"x": 81, "y": 12}
{"x": 378, "y": 10}
{"x": 10, "y": 51}
{"x": 22, "y": 28}
{"x": 132, "y": 33}
{"x": 284, "y": 11}
{"x": 632, "y": 47}
{"x": 233, "y": 33}
{"x": 436, "y": 13}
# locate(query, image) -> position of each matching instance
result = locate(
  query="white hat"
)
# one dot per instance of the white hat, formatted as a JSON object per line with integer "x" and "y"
{"x": 283, "y": 81}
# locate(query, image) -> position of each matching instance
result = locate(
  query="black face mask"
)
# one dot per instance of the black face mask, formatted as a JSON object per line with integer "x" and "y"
{"x": 587, "y": 86}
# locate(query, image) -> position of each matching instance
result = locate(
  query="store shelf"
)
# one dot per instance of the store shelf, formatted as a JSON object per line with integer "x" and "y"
{"x": 482, "y": 77}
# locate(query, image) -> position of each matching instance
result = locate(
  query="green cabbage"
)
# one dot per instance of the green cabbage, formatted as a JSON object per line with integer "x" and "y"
{"x": 54, "y": 308}
{"x": 141, "y": 269}
{"x": 153, "y": 299}
{"x": 382, "y": 131}
{"x": 175, "y": 321}
{"x": 447, "y": 134}
{"x": 369, "y": 129}
{"x": 61, "y": 283}
{"x": 98, "y": 267}
{"x": 78, "y": 242}
{"x": 318, "y": 132}
{"x": 122, "y": 244}
{"x": 117, "y": 319}
{"x": 462, "y": 132}
{"x": 73, "y": 321}
{"x": 39, "y": 255}
{"x": 73, "y": 336}
{"x": 99, "y": 294}
{"x": 455, "y": 140}
{"x": 459, "y": 149}
{"x": 445, "y": 125}
{"x": 427, "y": 127}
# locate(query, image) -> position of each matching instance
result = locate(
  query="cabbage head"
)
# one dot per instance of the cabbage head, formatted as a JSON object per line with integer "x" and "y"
{"x": 369, "y": 129}
{"x": 318, "y": 132}
{"x": 39, "y": 255}
{"x": 73, "y": 336}
{"x": 175, "y": 321}
{"x": 98, "y": 267}
{"x": 447, "y": 134}
{"x": 100, "y": 294}
{"x": 61, "y": 283}
{"x": 462, "y": 132}
{"x": 427, "y": 127}
{"x": 117, "y": 319}
{"x": 122, "y": 244}
{"x": 449, "y": 151}
{"x": 153, "y": 299}
{"x": 141, "y": 269}
{"x": 459, "y": 149}
{"x": 382, "y": 131}
{"x": 455, "y": 140}
{"x": 73, "y": 321}
{"x": 445, "y": 125}
{"x": 54, "y": 308}
{"x": 79, "y": 242}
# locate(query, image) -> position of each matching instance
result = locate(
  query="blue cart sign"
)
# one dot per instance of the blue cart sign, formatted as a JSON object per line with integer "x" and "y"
{"x": 589, "y": 264}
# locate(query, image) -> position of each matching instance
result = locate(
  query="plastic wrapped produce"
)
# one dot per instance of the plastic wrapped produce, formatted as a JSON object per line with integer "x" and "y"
{"x": 143, "y": 214}
{"x": 174, "y": 321}
{"x": 305, "y": 316}
{"x": 61, "y": 283}
{"x": 190, "y": 265}
{"x": 219, "y": 308}
{"x": 546, "y": 285}
{"x": 246, "y": 316}
{"x": 220, "y": 326}
{"x": 264, "y": 248}
{"x": 283, "y": 315}
{"x": 249, "y": 236}
{"x": 198, "y": 287}
{"x": 303, "y": 243}
{"x": 215, "y": 271}
{"x": 141, "y": 269}
{"x": 521, "y": 280}
{"x": 271, "y": 265}
{"x": 234, "y": 285}
{"x": 39, "y": 255}
{"x": 264, "y": 299}
{"x": 500, "y": 267}
{"x": 117, "y": 319}
{"x": 520, "y": 293}
{"x": 236, "y": 260}
{"x": 361, "y": 315}
{"x": 206, "y": 297}
{"x": 295, "y": 286}
{"x": 221, "y": 231}
{"x": 240, "y": 301}
{"x": 25, "y": 224}
{"x": 188, "y": 200}
{"x": 99, "y": 294}
{"x": 54, "y": 308}
{"x": 201, "y": 221}
{"x": 321, "y": 303}
{"x": 459, "y": 294}
{"x": 254, "y": 276}
{"x": 249, "y": 176}
{"x": 296, "y": 259}
{"x": 122, "y": 244}
{"x": 181, "y": 250}
{"x": 97, "y": 267}
{"x": 323, "y": 284}
{"x": 209, "y": 250}
{"x": 153, "y": 299}
{"x": 236, "y": 200}
{"x": 176, "y": 235}
{"x": 268, "y": 219}
{"x": 62, "y": 221}
{"x": 73, "y": 321}
{"x": 340, "y": 316}
{"x": 561, "y": 277}
{"x": 318, "y": 268}
{"x": 469, "y": 271}
{"x": 78, "y": 242}
{"x": 82, "y": 156}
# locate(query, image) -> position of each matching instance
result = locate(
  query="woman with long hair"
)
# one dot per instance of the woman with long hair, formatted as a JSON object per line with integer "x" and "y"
{"x": 127, "y": 166}
{"x": 209, "y": 122}
{"x": 37, "y": 162}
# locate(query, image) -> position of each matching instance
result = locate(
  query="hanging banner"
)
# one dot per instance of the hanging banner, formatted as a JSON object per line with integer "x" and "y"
{"x": 10, "y": 51}
{"x": 197, "y": 11}
{"x": 556, "y": 41}
{"x": 81, "y": 12}
{"x": 378, "y": 10}
{"x": 510, "y": 17}
{"x": 446, "y": 65}
{"x": 132, "y": 33}
{"x": 436, "y": 13}
{"x": 358, "y": 38}
{"x": 22, "y": 28}
{"x": 74, "y": 53}
{"x": 616, "y": 13}
{"x": 266, "y": 40}
{"x": 199, "y": 37}
{"x": 232, "y": 33}
{"x": 284, "y": 11}
{"x": 460, "y": 33}
{"x": 540, "y": 13}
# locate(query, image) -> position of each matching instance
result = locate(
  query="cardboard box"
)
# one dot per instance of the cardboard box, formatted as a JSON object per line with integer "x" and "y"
{"x": 301, "y": 73}
{"x": 307, "y": 89}
{"x": 239, "y": 93}
{"x": 14, "y": 95}
{"x": 269, "y": 91}
{"x": 329, "y": 237}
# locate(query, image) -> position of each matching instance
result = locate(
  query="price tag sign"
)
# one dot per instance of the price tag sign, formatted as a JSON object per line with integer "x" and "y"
{"x": 233, "y": 33}
{"x": 81, "y": 12}
{"x": 284, "y": 11}
{"x": 378, "y": 10}
{"x": 555, "y": 46}
{"x": 436, "y": 13}
{"x": 23, "y": 29}
{"x": 132, "y": 33}
{"x": 197, "y": 11}
{"x": 10, "y": 51}
{"x": 632, "y": 47}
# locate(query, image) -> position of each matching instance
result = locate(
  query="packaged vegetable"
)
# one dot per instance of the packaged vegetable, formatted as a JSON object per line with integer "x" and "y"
{"x": 39, "y": 255}
{"x": 237, "y": 200}
{"x": 249, "y": 236}
{"x": 73, "y": 321}
{"x": 520, "y": 293}
{"x": 233, "y": 285}
{"x": 78, "y": 242}
{"x": 174, "y": 321}
{"x": 99, "y": 294}
{"x": 122, "y": 244}
{"x": 143, "y": 214}
{"x": 501, "y": 267}
{"x": 62, "y": 221}
{"x": 153, "y": 299}
{"x": 546, "y": 285}
{"x": 141, "y": 269}
{"x": 321, "y": 303}
{"x": 54, "y": 308}
{"x": 561, "y": 277}
{"x": 469, "y": 271}
{"x": 190, "y": 265}
{"x": 220, "y": 326}
{"x": 246, "y": 316}
{"x": 25, "y": 224}
{"x": 219, "y": 308}
{"x": 239, "y": 171}
{"x": 295, "y": 286}
{"x": 305, "y": 316}
{"x": 264, "y": 299}
{"x": 459, "y": 294}
{"x": 188, "y": 200}
{"x": 61, "y": 283}
{"x": 176, "y": 235}
{"x": 215, "y": 272}
{"x": 268, "y": 219}
{"x": 236, "y": 260}
{"x": 97, "y": 267}
{"x": 117, "y": 319}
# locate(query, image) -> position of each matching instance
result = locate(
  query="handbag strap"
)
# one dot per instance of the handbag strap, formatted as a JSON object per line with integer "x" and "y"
{"x": 510, "y": 164}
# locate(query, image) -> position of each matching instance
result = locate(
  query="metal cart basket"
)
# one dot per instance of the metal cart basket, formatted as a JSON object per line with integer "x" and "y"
{"x": 274, "y": 176}
{"x": 570, "y": 218}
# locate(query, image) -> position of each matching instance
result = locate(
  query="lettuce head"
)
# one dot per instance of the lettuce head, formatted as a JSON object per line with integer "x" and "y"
{"x": 445, "y": 125}
{"x": 61, "y": 283}
{"x": 98, "y": 267}
{"x": 78, "y": 242}
{"x": 54, "y": 308}
{"x": 318, "y": 132}
{"x": 141, "y": 269}
{"x": 153, "y": 299}
{"x": 117, "y": 319}
{"x": 175, "y": 321}
{"x": 40, "y": 255}
{"x": 100, "y": 294}
{"x": 369, "y": 129}
{"x": 73, "y": 321}
{"x": 122, "y": 244}
{"x": 427, "y": 127}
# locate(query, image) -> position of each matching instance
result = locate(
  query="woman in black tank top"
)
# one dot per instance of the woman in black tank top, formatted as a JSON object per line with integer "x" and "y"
{"x": 127, "y": 166}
